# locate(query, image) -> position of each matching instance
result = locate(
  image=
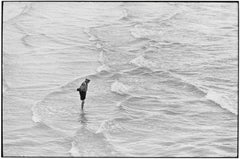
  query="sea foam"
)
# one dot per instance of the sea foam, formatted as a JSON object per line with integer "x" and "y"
{"x": 119, "y": 88}
{"x": 141, "y": 61}
{"x": 103, "y": 68}
{"x": 102, "y": 127}
{"x": 140, "y": 32}
{"x": 98, "y": 45}
{"x": 74, "y": 150}
{"x": 91, "y": 36}
{"x": 222, "y": 100}
{"x": 101, "y": 57}
{"x": 109, "y": 126}
{"x": 35, "y": 117}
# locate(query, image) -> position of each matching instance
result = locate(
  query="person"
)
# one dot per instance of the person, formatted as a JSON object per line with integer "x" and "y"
{"x": 83, "y": 91}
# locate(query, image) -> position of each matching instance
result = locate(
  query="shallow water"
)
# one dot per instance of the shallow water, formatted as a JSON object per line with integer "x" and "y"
{"x": 163, "y": 79}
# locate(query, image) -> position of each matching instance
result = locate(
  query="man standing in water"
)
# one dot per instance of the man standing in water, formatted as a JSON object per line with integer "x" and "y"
{"x": 83, "y": 90}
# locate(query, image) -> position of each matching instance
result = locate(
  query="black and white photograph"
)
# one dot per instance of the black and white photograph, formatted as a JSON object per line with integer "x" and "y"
{"x": 120, "y": 79}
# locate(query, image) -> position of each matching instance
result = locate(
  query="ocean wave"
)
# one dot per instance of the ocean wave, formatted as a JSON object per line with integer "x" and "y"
{"x": 222, "y": 100}
{"x": 138, "y": 107}
{"x": 63, "y": 102}
{"x": 54, "y": 118}
{"x": 119, "y": 88}
{"x": 139, "y": 71}
{"x": 40, "y": 40}
{"x": 58, "y": 111}
{"x": 141, "y": 61}
{"x": 218, "y": 98}
{"x": 18, "y": 12}
{"x": 87, "y": 143}
{"x": 187, "y": 83}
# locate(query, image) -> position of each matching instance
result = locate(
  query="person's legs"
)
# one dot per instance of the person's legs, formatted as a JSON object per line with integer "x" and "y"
{"x": 82, "y": 98}
{"x": 82, "y": 104}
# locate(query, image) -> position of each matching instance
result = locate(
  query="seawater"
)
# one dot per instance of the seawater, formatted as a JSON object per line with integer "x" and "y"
{"x": 163, "y": 79}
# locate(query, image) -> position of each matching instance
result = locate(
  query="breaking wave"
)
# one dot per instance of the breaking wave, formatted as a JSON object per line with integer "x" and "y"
{"x": 222, "y": 100}
{"x": 218, "y": 98}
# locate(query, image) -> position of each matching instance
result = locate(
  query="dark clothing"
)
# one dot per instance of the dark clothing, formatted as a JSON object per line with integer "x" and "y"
{"x": 84, "y": 87}
{"x": 83, "y": 90}
{"x": 82, "y": 94}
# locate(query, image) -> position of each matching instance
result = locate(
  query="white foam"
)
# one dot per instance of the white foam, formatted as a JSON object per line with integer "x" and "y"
{"x": 124, "y": 14}
{"x": 119, "y": 104}
{"x": 99, "y": 46}
{"x": 102, "y": 127}
{"x": 135, "y": 34}
{"x": 5, "y": 86}
{"x": 101, "y": 57}
{"x": 119, "y": 88}
{"x": 35, "y": 117}
{"x": 74, "y": 150}
{"x": 221, "y": 100}
{"x": 142, "y": 62}
{"x": 103, "y": 68}
{"x": 92, "y": 38}
{"x": 140, "y": 32}
{"x": 88, "y": 32}
{"x": 108, "y": 126}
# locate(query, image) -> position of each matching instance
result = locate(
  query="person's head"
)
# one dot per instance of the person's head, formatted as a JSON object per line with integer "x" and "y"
{"x": 87, "y": 80}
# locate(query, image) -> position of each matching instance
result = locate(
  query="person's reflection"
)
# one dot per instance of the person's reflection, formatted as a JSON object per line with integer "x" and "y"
{"x": 83, "y": 119}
